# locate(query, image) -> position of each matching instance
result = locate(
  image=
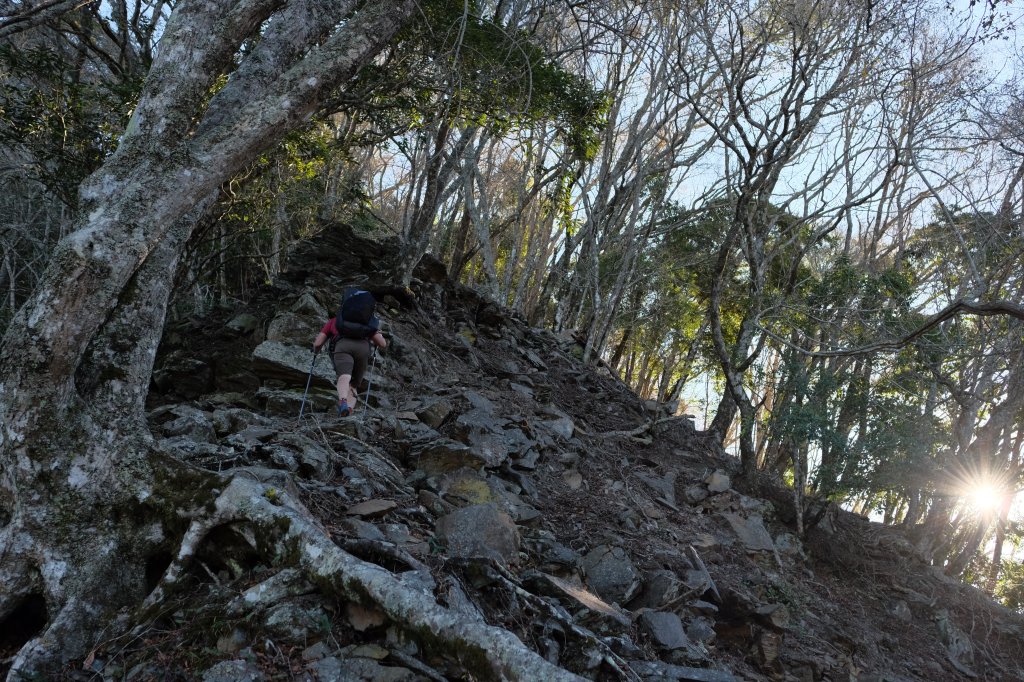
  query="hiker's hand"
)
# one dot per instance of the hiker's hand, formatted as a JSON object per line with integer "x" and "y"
{"x": 316, "y": 349}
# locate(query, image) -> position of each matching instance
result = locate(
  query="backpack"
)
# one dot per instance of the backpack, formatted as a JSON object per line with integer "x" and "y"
{"x": 355, "y": 319}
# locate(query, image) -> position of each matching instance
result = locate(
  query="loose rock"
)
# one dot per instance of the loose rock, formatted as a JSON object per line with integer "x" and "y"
{"x": 479, "y": 531}
{"x": 611, "y": 574}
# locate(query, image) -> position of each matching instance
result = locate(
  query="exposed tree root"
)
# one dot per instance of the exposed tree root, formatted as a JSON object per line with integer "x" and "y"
{"x": 15, "y": 577}
{"x": 281, "y": 523}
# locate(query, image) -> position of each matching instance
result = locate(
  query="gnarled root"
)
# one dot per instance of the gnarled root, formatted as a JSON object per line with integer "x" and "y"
{"x": 488, "y": 651}
{"x": 16, "y": 581}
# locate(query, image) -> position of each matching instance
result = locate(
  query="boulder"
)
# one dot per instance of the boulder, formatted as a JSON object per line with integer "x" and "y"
{"x": 290, "y": 365}
{"x": 552, "y": 556}
{"x": 191, "y": 423}
{"x": 519, "y": 444}
{"x": 252, "y": 436}
{"x": 665, "y": 629}
{"x": 445, "y": 455}
{"x": 773, "y": 615}
{"x": 235, "y": 419}
{"x": 695, "y": 494}
{"x": 558, "y": 424}
{"x": 243, "y": 323}
{"x": 610, "y": 573}
{"x": 308, "y": 304}
{"x": 478, "y": 421}
{"x": 296, "y": 621}
{"x": 659, "y": 588}
{"x": 312, "y": 458}
{"x": 479, "y": 531}
{"x": 573, "y": 479}
{"x": 192, "y": 450}
{"x": 293, "y": 330}
{"x": 790, "y": 545}
{"x": 468, "y": 487}
{"x": 751, "y": 532}
{"x": 701, "y": 630}
{"x": 491, "y": 447}
{"x": 434, "y": 413}
{"x": 718, "y": 481}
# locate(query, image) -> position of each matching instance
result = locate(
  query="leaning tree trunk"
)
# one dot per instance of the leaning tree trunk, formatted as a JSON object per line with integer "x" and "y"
{"x": 86, "y": 499}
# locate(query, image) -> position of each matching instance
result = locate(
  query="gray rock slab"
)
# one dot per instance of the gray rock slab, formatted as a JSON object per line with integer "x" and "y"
{"x": 665, "y": 629}
{"x": 561, "y": 426}
{"x": 290, "y": 364}
{"x": 665, "y": 485}
{"x": 292, "y": 329}
{"x": 610, "y": 573}
{"x": 433, "y": 413}
{"x": 445, "y": 455}
{"x": 479, "y": 531}
{"x": 751, "y": 531}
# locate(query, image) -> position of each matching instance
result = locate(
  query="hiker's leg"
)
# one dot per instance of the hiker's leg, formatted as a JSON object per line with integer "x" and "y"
{"x": 343, "y": 363}
{"x": 359, "y": 351}
{"x": 344, "y": 386}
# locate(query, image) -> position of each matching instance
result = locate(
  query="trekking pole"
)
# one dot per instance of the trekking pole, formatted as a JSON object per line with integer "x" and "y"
{"x": 308, "y": 380}
{"x": 369, "y": 385}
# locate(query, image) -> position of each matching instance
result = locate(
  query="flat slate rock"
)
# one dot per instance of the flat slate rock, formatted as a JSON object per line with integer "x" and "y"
{"x": 480, "y": 530}
{"x": 587, "y": 599}
{"x": 751, "y": 531}
{"x": 666, "y": 629}
{"x": 372, "y": 508}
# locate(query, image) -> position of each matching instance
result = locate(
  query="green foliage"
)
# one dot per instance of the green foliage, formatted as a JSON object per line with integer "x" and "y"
{"x": 473, "y": 70}
{"x": 64, "y": 118}
{"x": 1009, "y": 589}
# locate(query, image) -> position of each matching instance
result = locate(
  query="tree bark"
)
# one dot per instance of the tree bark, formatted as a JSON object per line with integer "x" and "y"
{"x": 82, "y": 484}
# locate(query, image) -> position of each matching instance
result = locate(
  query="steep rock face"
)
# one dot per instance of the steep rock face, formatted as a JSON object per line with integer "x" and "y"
{"x": 489, "y": 468}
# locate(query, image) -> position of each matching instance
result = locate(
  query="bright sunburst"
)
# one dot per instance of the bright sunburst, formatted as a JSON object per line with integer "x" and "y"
{"x": 983, "y": 496}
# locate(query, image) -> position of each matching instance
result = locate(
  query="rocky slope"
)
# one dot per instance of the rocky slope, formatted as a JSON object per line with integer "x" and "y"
{"x": 520, "y": 488}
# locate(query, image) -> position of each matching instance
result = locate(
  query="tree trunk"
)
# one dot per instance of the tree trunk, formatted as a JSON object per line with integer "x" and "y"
{"x": 82, "y": 483}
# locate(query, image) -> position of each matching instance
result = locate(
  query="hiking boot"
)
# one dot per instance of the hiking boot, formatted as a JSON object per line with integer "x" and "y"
{"x": 343, "y": 409}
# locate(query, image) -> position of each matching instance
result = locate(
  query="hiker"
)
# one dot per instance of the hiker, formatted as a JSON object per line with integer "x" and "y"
{"x": 351, "y": 332}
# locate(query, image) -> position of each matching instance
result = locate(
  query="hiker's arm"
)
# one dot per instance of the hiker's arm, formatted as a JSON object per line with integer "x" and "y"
{"x": 320, "y": 340}
{"x": 378, "y": 340}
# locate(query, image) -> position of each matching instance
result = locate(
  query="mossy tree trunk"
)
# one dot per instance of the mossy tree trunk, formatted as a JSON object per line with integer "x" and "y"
{"x": 87, "y": 501}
